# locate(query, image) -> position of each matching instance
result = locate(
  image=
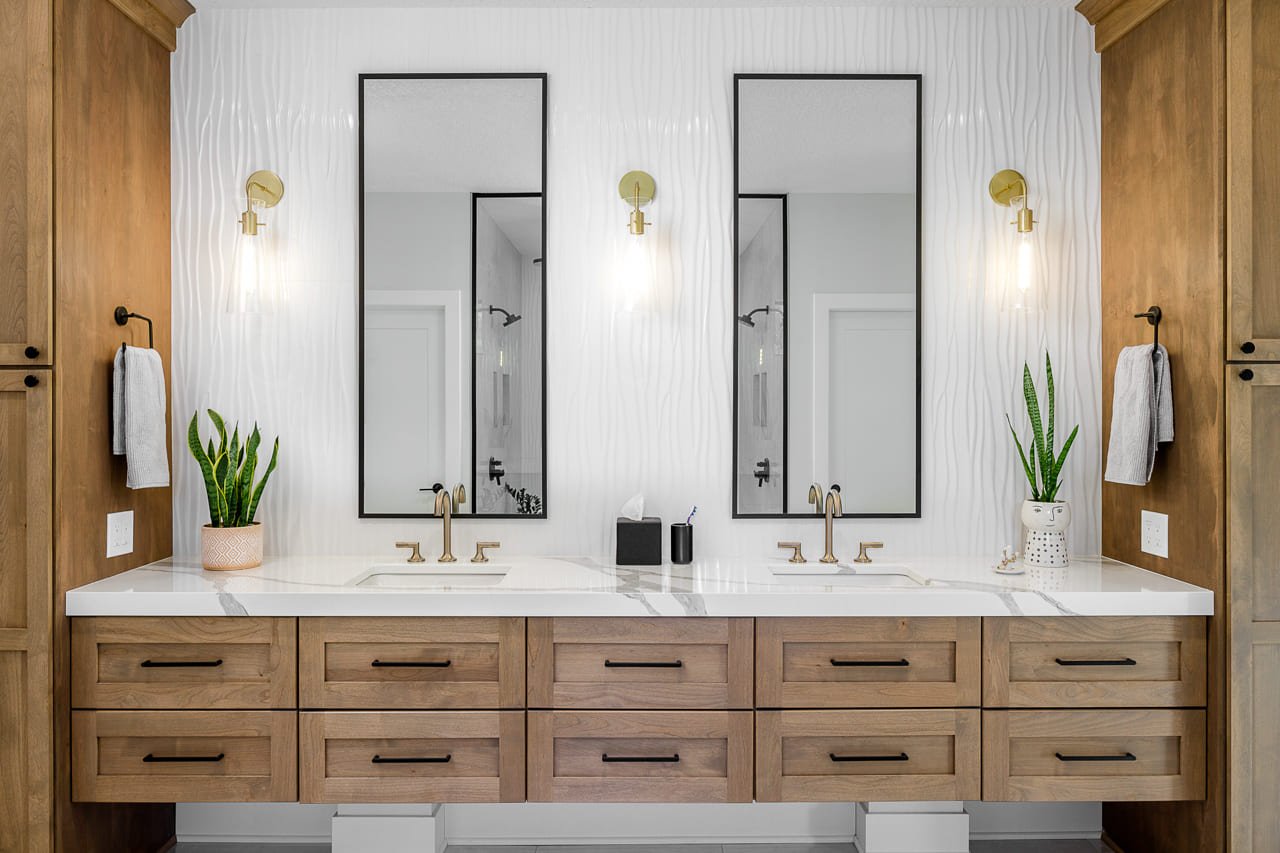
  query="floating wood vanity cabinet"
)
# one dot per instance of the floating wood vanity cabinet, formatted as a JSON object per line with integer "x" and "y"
{"x": 663, "y": 663}
{"x": 489, "y": 709}
{"x": 412, "y": 757}
{"x": 640, "y": 756}
{"x": 411, "y": 663}
{"x": 184, "y": 663}
{"x": 878, "y": 662}
{"x": 184, "y": 756}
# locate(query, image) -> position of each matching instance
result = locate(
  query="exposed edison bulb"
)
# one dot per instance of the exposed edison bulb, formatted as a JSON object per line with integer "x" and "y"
{"x": 760, "y": 358}
{"x": 252, "y": 288}
{"x": 1026, "y": 263}
{"x": 634, "y": 275}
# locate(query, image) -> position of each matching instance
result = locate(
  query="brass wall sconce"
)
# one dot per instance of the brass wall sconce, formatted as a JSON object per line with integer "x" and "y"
{"x": 1009, "y": 189}
{"x": 637, "y": 189}
{"x": 263, "y": 189}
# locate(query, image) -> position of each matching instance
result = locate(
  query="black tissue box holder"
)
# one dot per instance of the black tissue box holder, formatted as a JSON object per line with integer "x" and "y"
{"x": 639, "y": 542}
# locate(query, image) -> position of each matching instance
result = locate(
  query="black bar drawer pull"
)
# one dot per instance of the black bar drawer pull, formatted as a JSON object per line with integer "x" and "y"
{"x": 425, "y": 759}
{"x": 1128, "y": 756}
{"x": 182, "y": 759}
{"x": 898, "y": 662}
{"x": 640, "y": 759}
{"x": 1119, "y": 662}
{"x": 180, "y": 663}
{"x": 643, "y": 664}
{"x": 435, "y": 664}
{"x": 901, "y": 756}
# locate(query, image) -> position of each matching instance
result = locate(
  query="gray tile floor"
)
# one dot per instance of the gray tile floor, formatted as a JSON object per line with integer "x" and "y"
{"x": 1036, "y": 846}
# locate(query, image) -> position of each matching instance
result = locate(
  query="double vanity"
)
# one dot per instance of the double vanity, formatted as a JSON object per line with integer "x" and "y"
{"x": 341, "y": 680}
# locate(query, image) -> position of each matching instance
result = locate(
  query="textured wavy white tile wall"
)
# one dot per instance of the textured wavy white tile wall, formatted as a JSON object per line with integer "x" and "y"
{"x": 638, "y": 401}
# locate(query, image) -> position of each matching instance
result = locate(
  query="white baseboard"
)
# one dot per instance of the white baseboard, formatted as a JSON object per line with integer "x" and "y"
{"x": 545, "y": 823}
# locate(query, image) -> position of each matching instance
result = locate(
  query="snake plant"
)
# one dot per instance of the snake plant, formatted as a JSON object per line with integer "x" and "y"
{"x": 228, "y": 471}
{"x": 1044, "y": 467}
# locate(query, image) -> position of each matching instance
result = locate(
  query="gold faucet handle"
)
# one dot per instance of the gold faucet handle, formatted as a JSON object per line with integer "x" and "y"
{"x": 459, "y": 495}
{"x": 416, "y": 556}
{"x": 480, "y": 556}
{"x": 862, "y": 551}
{"x": 796, "y": 555}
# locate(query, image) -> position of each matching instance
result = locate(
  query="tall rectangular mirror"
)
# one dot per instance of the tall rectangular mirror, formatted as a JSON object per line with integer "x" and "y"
{"x": 827, "y": 293}
{"x": 452, "y": 296}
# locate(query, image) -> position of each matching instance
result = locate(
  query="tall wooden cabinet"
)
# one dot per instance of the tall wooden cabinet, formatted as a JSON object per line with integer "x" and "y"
{"x": 1190, "y": 195}
{"x": 84, "y": 162}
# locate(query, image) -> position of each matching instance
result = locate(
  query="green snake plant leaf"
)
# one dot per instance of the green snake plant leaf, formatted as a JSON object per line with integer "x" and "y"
{"x": 1033, "y": 413}
{"x": 1048, "y": 427}
{"x": 247, "y": 472}
{"x": 1036, "y": 490}
{"x": 257, "y": 492}
{"x": 1022, "y": 454}
{"x": 1062, "y": 459}
{"x": 206, "y": 468}
{"x": 230, "y": 482}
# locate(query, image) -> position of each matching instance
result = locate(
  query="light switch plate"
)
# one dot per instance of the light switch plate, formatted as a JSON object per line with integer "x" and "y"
{"x": 119, "y": 533}
{"x": 1155, "y": 533}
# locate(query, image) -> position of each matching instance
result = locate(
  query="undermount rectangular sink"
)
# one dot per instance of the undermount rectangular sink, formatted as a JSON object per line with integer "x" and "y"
{"x": 431, "y": 576}
{"x": 837, "y": 574}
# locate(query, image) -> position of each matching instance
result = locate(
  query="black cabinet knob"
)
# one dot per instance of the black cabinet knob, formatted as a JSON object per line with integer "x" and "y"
{"x": 1246, "y": 374}
{"x": 1247, "y": 347}
{"x": 31, "y": 381}
{"x": 31, "y": 352}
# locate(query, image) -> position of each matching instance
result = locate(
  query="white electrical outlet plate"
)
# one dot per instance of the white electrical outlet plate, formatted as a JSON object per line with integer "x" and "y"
{"x": 1155, "y": 533}
{"x": 119, "y": 533}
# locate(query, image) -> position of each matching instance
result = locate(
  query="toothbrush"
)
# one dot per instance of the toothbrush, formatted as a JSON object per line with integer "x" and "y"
{"x": 692, "y": 513}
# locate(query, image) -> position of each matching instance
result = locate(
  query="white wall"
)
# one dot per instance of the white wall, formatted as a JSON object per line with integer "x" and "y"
{"x": 637, "y": 400}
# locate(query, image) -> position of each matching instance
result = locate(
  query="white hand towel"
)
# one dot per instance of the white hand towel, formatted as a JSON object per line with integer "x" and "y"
{"x": 139, "y": 429}
{"x": 1141, "y": 414}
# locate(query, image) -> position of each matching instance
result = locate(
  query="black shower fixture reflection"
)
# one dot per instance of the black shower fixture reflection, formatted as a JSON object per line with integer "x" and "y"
{"x": 746, "y": 320}
{"x": 511, "y": 320}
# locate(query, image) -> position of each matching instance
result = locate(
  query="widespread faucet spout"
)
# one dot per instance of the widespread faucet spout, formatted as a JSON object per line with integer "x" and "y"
{"x": 445, "y": 505}
{"x": 833, "y": 509}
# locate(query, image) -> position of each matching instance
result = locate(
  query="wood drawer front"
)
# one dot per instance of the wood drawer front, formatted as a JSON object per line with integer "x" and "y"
{"x": 875, "y": 662}
{"x": 1094, "y": 661}
{"x": 183, "y": 662}
{"x": 232, "y": 756}
{"x": 661, "y": 662}
{"x": 852, "y": 756}
{"x": 1108, "y": 755}
{"x": 411, "y": 662}
{"x": 411, "y": 757}
{"x": 640, "y": 756}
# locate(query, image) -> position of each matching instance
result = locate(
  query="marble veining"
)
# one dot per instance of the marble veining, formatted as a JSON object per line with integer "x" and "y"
{"x": 554, "y": 586}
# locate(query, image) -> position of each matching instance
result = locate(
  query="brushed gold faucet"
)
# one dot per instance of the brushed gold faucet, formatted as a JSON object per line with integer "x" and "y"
{"x": 416, "y": 556}
{"x": 480, "y": 556}
{"x": 445, "y": 504}
{"x": 862, "y": 551}
{"x": 797, "y": 556}
{"x": 833, "y": 509}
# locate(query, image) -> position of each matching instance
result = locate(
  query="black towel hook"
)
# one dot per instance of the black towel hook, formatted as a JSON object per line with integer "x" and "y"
{"x": 1153, "y": 315}
{"x": 124, "y": 315}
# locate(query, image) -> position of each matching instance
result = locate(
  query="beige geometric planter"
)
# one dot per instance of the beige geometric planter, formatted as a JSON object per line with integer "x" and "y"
{"x": 225, "y": 549}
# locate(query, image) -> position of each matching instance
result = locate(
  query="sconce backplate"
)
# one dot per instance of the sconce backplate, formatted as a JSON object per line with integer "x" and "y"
{"x": 627, "y": 187}
{"x": 264, "y": 188}
{"x": 1006, "y": 185}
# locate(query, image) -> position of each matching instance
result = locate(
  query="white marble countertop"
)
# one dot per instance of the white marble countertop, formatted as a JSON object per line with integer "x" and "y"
{"x": 577, "y": 586}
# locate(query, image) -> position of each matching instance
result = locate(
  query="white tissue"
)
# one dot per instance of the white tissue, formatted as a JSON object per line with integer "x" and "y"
{"x": 633, "y": 508}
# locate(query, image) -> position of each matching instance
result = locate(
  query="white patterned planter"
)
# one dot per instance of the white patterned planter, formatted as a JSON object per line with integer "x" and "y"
{"x": 1045, "y": 524}
{"x": 225, "y": 549}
